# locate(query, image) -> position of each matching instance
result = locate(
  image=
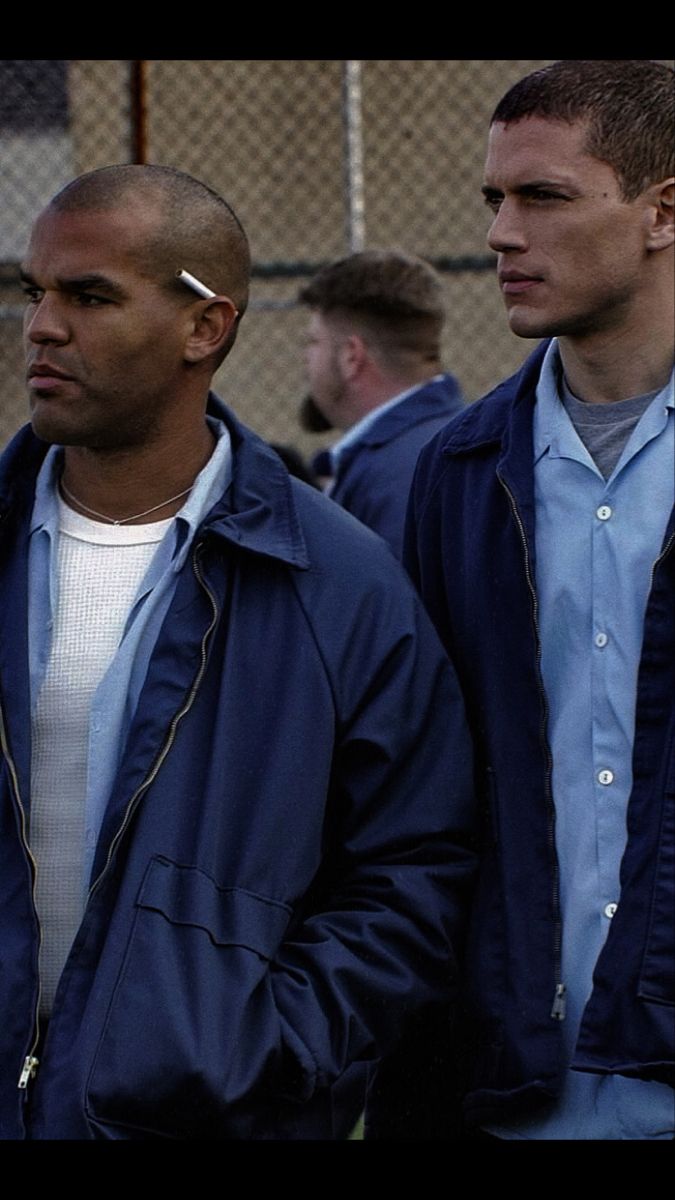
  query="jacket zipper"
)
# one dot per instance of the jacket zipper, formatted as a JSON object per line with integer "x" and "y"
{"x": 657, "y": 561}
{"x": 171, "y": 734}
{"x": 559, "y": 1004}
{"x": 30, "y": 1062}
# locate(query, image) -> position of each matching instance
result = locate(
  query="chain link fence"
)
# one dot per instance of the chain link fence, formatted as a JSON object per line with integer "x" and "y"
{"x": 318, "y": 158}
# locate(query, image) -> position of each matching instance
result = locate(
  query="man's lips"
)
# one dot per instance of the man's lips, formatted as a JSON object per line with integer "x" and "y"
{"x": 43, "y": 376}
{"x": 513, "y": 283}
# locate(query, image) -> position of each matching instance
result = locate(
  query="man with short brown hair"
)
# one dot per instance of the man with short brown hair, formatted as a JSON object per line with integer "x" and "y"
{"x": 542, "y": 539}
{"x": 373, "y": 360}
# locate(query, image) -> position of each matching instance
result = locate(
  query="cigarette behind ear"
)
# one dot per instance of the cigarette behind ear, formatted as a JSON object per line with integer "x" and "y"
{"x": 197, "y": 286}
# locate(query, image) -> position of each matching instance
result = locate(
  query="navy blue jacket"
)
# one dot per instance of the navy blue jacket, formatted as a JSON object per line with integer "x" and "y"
{"x": 285, "y": 850}
{"x": 471, "y": 551}
{"x": 374, "y": 474}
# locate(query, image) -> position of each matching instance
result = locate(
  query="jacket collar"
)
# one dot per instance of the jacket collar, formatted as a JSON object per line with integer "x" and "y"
{"x": 503, "y": 422}
{"x": 437, "y": 397}
{"x": 491, "y": 419}
{"x": 19, "y": 467}
{"x": 257, "y": 511}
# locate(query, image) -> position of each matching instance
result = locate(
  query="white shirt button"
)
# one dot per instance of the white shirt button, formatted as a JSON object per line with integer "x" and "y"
{"x": 604, "y": 512}
{"x": 609, "y": 910}
{"x": 605, "y": 777}
{"x": 601, "y": 639}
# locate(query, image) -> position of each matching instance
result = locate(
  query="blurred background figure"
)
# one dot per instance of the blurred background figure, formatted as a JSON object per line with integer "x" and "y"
{"x": 374, "y": 372}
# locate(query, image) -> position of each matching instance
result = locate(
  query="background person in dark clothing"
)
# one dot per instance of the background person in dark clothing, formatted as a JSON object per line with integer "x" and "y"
{"x": 374, "y": 372}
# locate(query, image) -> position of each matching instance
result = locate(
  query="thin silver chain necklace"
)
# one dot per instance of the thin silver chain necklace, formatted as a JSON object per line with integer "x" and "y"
{"x": 123, "y": 520}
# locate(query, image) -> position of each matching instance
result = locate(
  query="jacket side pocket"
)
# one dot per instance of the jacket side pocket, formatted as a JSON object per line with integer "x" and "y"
{"x": 191, "y": 1026}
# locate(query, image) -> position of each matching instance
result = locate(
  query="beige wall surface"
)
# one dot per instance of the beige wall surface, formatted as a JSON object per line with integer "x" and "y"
{"x": 277, "y": 138}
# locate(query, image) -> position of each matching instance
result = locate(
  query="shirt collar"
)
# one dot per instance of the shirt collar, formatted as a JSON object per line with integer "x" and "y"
{"x": 45, "y": 506}
{"x": 208, "y": 488}
{"x": 553, "y": 431}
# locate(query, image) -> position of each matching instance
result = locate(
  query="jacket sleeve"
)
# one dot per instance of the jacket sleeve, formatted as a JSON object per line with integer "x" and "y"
{"x": 374, "y": 941}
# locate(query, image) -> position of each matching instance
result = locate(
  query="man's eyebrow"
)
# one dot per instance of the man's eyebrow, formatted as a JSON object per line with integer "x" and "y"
{"x": 527, "y": 189}
{"x": 540, "y": 185}
{"x": 81, "y": 283}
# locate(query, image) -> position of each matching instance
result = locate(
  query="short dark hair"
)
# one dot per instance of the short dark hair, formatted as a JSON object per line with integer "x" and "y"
{"x": 197, "y": 228}
{"x": 628, "y": 104}
{"x": 397, "y": 297}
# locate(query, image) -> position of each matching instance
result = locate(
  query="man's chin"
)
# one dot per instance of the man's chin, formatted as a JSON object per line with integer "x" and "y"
{"x": 59, "y": 433}
{"x": 311, "y": 417}
{"x": 528, "y": 324}
{"x": 47, "y": 429}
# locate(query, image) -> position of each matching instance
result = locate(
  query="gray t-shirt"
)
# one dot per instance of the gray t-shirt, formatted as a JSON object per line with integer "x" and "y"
{"x": 604, "y": 428}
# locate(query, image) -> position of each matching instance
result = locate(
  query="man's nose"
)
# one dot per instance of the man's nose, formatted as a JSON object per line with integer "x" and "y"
{"x": 45, "y": 321}
{"x": 506, "y": 231}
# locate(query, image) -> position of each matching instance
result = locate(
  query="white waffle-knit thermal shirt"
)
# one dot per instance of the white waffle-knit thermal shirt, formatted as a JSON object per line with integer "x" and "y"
{"x": 100, "y": 568}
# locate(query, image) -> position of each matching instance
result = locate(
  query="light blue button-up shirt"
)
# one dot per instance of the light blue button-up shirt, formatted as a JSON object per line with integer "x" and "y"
{"x": 116, "y": 697}
{"x": 596, "y": 543}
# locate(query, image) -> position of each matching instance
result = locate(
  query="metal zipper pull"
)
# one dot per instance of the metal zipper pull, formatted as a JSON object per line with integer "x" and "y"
{"x": 30, "y": 1066}
{"x": 559, "y": 1003}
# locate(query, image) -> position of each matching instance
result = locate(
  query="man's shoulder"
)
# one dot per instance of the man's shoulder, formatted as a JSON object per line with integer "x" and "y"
{"x": 277, "y": 514}
{"x": 486, "y": 421}
{"x": 441, "y": 393}
{"x": 356, "y": 596}
{"x": 417, "y": 415}
{"x": 337, "y": 541}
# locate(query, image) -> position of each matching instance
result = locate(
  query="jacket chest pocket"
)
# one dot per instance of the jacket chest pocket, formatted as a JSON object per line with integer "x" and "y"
{"x": 191, "y": 1026}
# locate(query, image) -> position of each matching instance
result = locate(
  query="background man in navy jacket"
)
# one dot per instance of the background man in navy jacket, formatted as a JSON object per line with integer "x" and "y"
{"x": 373, "y": 362}
{"x": 542, "y": 539}
{"x": 234, "y": 837}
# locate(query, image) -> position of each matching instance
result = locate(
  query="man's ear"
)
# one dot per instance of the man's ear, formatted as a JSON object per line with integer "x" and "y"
{"x": 212, "y": 325}
{"x": 352, "y": 354}
{"x": 661, "y": 222}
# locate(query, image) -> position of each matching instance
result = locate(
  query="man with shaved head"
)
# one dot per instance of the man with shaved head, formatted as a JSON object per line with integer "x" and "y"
{"x": 234, "y": 810}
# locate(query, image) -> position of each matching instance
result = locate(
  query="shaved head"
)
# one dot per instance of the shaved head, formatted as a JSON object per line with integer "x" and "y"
{"x": 182, "y": 223}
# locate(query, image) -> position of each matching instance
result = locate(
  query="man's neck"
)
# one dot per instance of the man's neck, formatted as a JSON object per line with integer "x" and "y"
{"x": 617, "y": 364}
{"x": 124, "y": 482}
